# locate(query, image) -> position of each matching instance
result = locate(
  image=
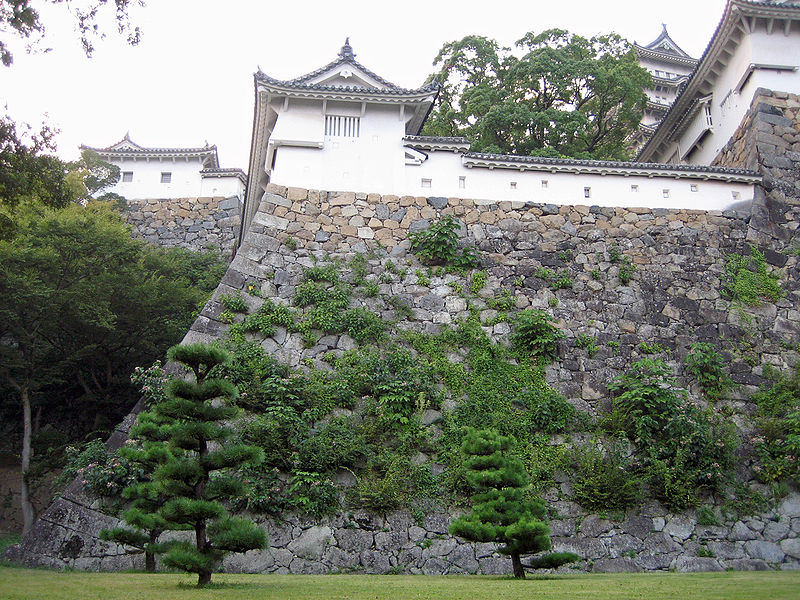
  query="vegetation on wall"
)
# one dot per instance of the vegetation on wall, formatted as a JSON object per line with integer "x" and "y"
{"x": 747, "y": 280}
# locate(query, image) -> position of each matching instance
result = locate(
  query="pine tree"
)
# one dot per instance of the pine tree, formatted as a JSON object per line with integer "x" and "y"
{"x": 146, "y": 449}
{"x": 193, "y": 475}
{"x": 502, "y": 512}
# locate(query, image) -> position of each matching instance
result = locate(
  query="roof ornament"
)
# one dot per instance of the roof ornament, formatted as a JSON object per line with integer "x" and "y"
{"x": 347, "y": 50}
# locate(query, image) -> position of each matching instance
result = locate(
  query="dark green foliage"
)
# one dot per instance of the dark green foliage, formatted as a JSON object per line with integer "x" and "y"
{"x": 707, "y": 367}
{"x": 535, "y": 336}
{"x": 747, "y": 281}
{"x": 552, "y": 560}
{"x": 340, "y": 444}
{"x": 686, "y": 451}
{"x": 438, "y": 245}
{"x": 557, "y": 94}
{"x": 194, "y": 424}
{"x": 778, "y": 420}
{"x": 605, "y": 480}
{"x": 502, "y": 511}
{"x": 234, "y": 303}
{"x": 626, "y": 267}
{"x": 363, "y": 325}
{"x": 547, "y": 411}
{"x": 557, "y": 281}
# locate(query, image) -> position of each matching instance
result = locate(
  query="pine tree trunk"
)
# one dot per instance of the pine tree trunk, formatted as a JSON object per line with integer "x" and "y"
{"x": 203, "y": 578}
{"x": 27, "y": 506}
{"x": 149, "y": 555}
{"x": 519, "y": 572}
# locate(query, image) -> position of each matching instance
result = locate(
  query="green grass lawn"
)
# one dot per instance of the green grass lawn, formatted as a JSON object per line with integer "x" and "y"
{"x": 30, "y": 584}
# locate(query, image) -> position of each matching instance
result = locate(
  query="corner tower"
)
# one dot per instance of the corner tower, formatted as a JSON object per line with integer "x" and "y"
{"x": 339, "y": 127}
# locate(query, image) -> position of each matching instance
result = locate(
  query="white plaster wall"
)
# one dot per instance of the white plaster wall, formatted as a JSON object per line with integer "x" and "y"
{"x": 483, "y": 184}
{"x": 728, "y": 108}
{"x": 147, "y": 179}
{"x": 301, "y": 123}
{"x": 226, "y": 187}
{"x": 373, "y": 161}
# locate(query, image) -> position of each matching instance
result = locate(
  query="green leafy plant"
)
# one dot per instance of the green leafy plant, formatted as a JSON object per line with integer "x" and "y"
{"x": 234, "y": 303}
{"x": 291, "y": 243}
{"x": 687, "y": 451}
{"x": 586, "y": 342}
{"x": 438, "y": 245}
{"x": 654, "y": 348}
{"x": 707, "y": 367}
{"x": 777, "y": 444}
{"x": 422, "y": 278}
{"x": 363, "y": 325}
{"x": 535, "y": 336}
{"x": 605, "y": 480}
{"x": 626, "y": 270}
{"x": 371, "y": 289}
{"x": 747, "y": 281}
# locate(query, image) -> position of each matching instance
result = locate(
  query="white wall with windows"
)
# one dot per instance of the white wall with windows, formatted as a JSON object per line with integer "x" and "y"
{"x": 345, "y": 148}
{"x": 155, "y": 178}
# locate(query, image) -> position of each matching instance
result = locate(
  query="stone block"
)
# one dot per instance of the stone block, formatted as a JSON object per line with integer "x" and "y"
{"x": 767, "y": 551}
{"x": 615, "y": 565}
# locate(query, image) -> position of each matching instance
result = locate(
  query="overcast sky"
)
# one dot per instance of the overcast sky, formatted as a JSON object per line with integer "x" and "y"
{"x": 191, "y": 78}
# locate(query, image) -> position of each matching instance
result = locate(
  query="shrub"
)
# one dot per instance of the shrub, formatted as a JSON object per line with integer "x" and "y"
{"x": 535, "y": 336}
{"x": 438, "y": 245}
{"x": 687, "y": 451}
{"x": 363, "y": 325}
{"x": 778, "y": 420}
{"x": 707, "y": 367}
{"x": 587, "y": 343}
{"x": 338, "y": 445}
{"x": 605, "y": 481}
{"x": 234, "y": 303}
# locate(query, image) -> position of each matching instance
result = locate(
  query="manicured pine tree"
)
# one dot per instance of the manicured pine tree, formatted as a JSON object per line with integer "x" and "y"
{"x": 147, "y": 450}
{"x": 194, "y": 475}
{"x": 502, "y": 512}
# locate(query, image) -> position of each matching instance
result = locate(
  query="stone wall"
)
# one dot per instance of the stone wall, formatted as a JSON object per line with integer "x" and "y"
{"x": 193, "y": 223}
{"x": 673, "y": 300}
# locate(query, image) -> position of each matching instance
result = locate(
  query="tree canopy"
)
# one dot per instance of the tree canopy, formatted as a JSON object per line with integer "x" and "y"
{"x": 566, "y": 95}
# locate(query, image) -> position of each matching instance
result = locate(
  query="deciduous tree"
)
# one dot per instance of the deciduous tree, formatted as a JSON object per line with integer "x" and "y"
{"x": 566, "y": 95}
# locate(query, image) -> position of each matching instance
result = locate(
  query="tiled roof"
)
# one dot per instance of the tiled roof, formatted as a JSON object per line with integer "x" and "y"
{"x": 548, "y": 163}
{"x": 673, "y": 48}
{"x": 436, "y": 139}
{"x": 346, "y": 55}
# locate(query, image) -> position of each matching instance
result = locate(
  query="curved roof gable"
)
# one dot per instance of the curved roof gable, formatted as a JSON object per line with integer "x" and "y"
{"x": 666, "y": 45}
{"x": 126, "y": 148}
{"x": 343, "y": 74}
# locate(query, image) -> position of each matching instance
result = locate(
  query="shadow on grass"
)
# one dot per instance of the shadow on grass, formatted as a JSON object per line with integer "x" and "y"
{"x": 220, "y": 586}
